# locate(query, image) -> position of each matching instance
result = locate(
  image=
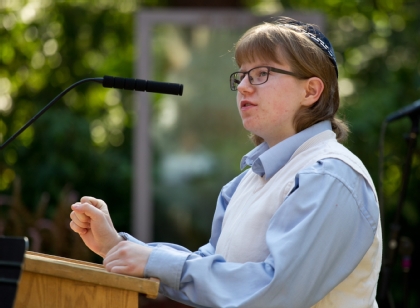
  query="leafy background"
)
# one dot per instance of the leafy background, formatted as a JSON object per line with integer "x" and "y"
{"x": 83, "y": 144}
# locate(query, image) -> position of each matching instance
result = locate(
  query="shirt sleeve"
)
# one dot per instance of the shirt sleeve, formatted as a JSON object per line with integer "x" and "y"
{"x": 316, "y": 239}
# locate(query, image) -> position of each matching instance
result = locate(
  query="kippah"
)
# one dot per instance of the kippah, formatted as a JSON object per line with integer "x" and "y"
{"x": 314, "y": 35}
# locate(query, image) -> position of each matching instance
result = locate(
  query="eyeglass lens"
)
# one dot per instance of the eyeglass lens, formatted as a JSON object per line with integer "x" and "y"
{"x": 257, "y": 75}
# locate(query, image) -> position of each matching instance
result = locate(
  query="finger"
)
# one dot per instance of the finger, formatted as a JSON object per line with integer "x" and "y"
{"x": 78, "y": 229}
{"x": 87, "y": 199}
{"x": 77, "y": 211}
{"x": 98, "y": 203}
{"x": 82, "y": 217}
{"x": 113, "y": 255}
{"x": 123, "y": 270}
{"x": 117, "y": 265}
{"x": 89, "y": 210}
{"x": 75, "y": 205}
{"x": 119, "y": 270}
{"x": 76, "y": 219}
{"x": 110, "y": 261}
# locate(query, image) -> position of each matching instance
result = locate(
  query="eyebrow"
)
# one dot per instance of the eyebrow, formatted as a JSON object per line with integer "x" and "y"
{"x": 259, "y": 65}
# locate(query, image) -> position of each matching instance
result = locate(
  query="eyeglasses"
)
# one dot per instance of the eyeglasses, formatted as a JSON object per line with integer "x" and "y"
{"x": 257, "y": 75}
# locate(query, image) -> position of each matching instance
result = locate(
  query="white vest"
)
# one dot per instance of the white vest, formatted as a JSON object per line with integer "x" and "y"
{"x": 256, "y": 200}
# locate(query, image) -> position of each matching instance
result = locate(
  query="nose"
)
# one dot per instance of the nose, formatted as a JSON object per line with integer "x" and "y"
{"x": 244, "y": 85}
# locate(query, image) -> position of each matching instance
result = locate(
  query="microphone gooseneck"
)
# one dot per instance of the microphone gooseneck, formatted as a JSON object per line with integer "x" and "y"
{"x": 107, "y": 82}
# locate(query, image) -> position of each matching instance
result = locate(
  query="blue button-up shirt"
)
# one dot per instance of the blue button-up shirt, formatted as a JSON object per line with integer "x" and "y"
{"x": 326, "y": 225}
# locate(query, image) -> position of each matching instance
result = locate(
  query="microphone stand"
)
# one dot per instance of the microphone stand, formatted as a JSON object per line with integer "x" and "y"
{"x": 384, "y": 295}
{"x": 48, "y": 106}
{"x": 108, "y": 82}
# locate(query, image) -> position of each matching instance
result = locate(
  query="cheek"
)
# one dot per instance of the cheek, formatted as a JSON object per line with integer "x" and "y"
{"x": 284, "y": 102}
{"x": 280, "y": 111}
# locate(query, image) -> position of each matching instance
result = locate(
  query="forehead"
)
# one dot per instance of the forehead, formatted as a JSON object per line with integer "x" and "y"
{"x": 246, "y": 66}
{"x": 259, "y": 57}
{"x": 259, "y": 47}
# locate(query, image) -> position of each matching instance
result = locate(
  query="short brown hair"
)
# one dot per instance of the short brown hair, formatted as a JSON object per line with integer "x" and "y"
{"x": 265, "y": 41}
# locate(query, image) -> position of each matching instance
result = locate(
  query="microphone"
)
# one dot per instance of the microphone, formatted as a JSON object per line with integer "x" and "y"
{"x": 108, "y": 82}
{"x": 142, "y": 85}
{"x": 409, "y": 110}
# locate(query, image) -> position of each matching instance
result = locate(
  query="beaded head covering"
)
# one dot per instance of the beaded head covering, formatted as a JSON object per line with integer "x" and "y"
{"x": 313, "y": 34}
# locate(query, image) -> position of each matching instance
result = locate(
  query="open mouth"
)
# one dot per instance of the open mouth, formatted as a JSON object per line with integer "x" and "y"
{"x": 245, "y": 104}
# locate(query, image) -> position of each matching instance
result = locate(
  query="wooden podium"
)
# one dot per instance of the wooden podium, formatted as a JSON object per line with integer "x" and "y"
{"x": 54, "y": 282}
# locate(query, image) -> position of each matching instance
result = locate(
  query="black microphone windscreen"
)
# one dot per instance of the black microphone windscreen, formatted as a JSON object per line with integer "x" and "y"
{"x": 142, "y": 85}
{"x": 410, "y": 110}
{"x": 164, "y": 87}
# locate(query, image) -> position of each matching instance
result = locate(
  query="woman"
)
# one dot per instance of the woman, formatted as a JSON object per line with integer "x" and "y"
{"x": 300, "y": 227}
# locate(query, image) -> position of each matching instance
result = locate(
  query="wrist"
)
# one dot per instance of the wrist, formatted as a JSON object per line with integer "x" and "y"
{"x": 111, "y": 244}
{"x": 117, "y": 240}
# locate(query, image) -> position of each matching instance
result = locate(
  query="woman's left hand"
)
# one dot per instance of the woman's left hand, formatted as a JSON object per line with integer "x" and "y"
{"x": 127, "y": 258}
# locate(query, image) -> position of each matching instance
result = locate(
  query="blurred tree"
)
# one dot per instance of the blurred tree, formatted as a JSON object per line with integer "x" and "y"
{"x": 85, "y": 139}
{"x": 214, "y": 3}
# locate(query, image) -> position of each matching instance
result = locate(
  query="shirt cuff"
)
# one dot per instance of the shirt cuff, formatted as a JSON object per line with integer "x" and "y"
{"x": 130, "y": 238}
{"x": 166, "y": 264}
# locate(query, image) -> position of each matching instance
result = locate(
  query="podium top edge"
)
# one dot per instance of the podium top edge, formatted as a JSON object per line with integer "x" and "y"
{"x": 94, "y": 273}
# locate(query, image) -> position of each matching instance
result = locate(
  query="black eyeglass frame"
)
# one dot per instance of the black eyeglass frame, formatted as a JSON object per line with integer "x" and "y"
{"x": 235, "y": 82}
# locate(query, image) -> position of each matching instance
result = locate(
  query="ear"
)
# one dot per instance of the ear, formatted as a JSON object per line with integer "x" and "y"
{"x": 313, "y": 90}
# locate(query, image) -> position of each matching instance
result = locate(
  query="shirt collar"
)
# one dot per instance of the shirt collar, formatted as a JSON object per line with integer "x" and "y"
{"x": 266, "y": 161}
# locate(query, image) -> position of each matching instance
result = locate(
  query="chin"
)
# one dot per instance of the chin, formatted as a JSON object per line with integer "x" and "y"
{"x": 252, "y": 129}
{"x": 249, "y": 126}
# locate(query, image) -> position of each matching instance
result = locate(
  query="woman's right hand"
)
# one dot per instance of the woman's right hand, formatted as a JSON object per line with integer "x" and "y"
{"x": 91, "y": 220}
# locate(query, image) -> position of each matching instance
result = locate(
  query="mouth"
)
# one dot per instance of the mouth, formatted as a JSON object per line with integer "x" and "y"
{"x": 246, "y": 104}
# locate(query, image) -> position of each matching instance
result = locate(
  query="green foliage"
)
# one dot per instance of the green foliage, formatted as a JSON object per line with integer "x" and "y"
{"x": 85, "y": 139}
{"x": 377, "y": 49}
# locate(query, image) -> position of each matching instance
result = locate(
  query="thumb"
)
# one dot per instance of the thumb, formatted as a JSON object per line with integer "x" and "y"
{"x": 87, "y": 209}
{"x": 98, "y": 203}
